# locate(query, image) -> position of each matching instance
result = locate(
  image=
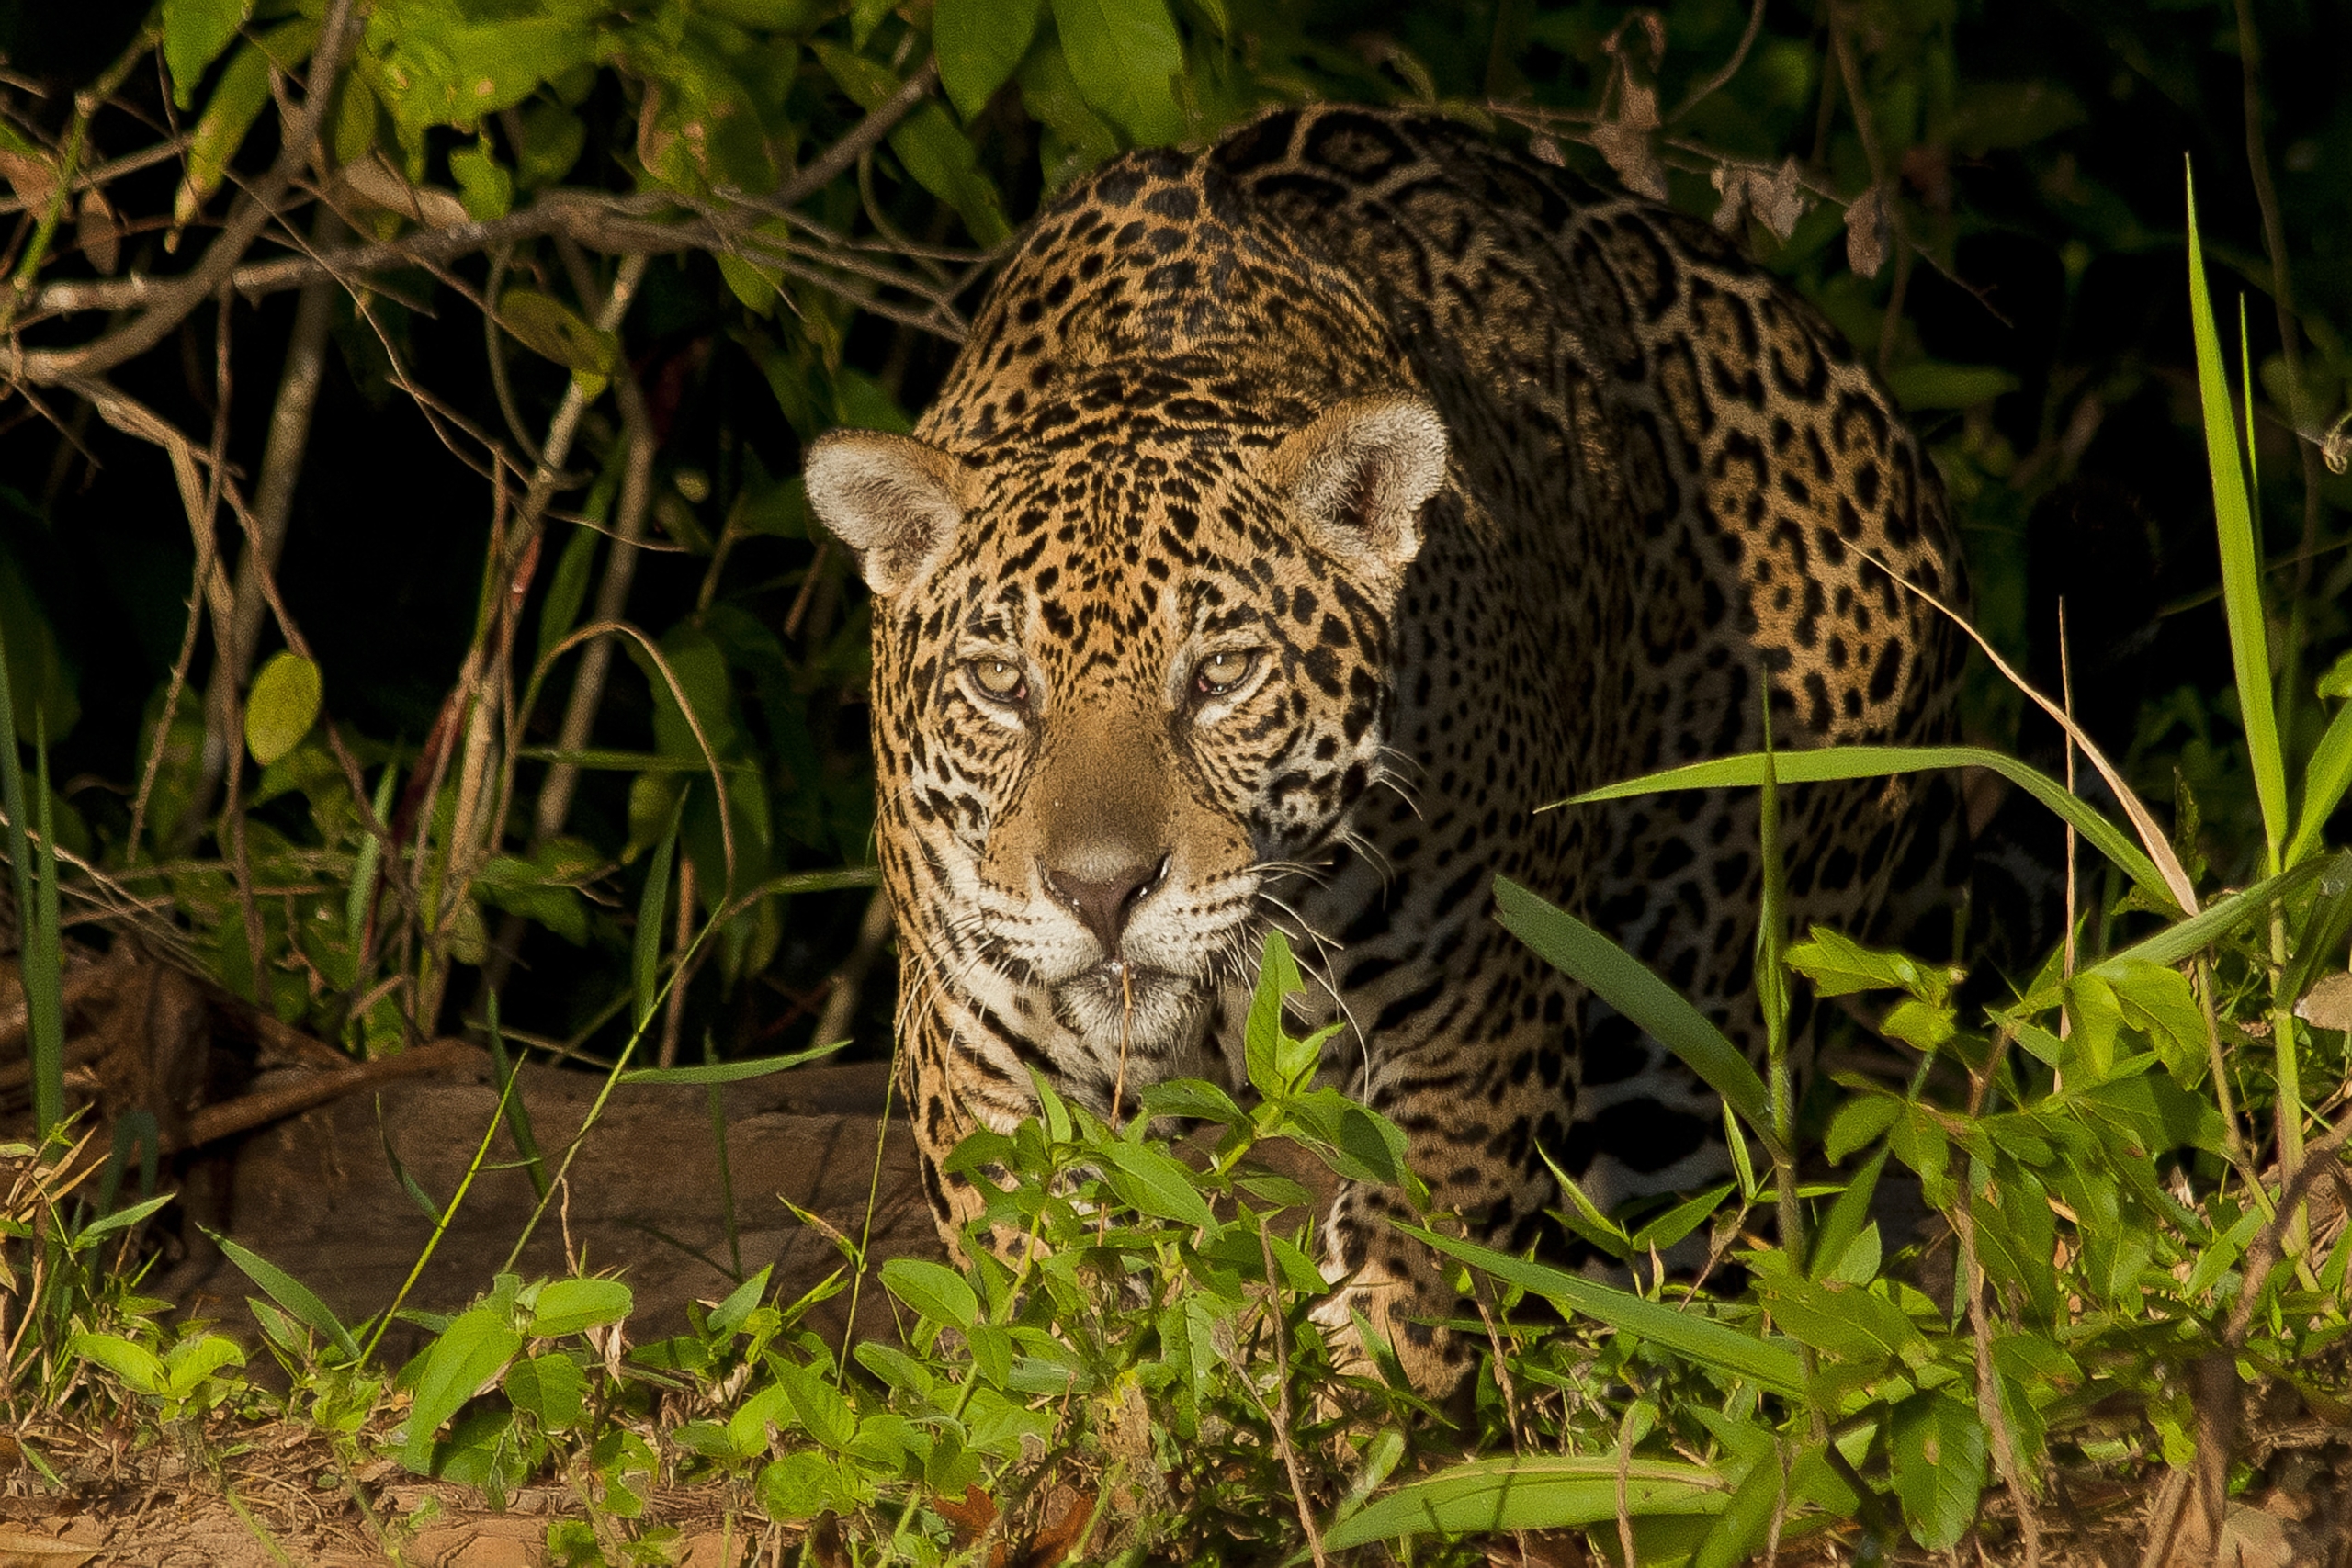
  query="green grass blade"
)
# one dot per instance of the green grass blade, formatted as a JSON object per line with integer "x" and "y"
{"x": 728, "y": 1072}
{"x": 2326, "y": 777}
{"x": 20, "y": 864}
{"x": 518, "y": 1115}
{"x": 362, "y": 894}
{"x": 650, "y": 911}
{"x": 2241, "y": 559}
{"x": 290, "y": 1293}
{"x": 43, "y": 954}
{"x": 1487, "y": 1496}
{"x": 2175, "y": 942}
{"x": 1620, "y": 979}
{"x": 1746, "y": 771}
{"x": 1771, "y": 1364}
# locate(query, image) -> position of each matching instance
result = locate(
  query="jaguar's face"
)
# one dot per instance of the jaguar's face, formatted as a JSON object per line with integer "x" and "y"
{"x": 1123, "y": 678}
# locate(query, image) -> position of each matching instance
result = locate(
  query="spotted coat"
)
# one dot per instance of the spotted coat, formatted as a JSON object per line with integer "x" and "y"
{"x": 1627, "y": 474}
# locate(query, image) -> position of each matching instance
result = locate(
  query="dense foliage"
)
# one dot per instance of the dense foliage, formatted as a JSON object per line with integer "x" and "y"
{"x": 374, "y": 372}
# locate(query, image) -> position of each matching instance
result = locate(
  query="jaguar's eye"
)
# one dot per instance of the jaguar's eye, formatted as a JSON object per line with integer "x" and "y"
{"x": 1220, "y": 673}
{"x": 998, "y": 678}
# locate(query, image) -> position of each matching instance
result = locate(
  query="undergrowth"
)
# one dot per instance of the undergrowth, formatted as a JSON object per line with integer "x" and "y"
{"x": 2122, "y": 1156}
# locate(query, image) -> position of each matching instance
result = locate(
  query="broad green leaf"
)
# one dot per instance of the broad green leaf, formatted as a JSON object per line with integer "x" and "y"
{"x": 553, "y": 330}
{"x": 797, "y": 1487}
{"x": 469, "y": 1354}
{"x": 236, "y": 102}
{"x": 194, "y": 32}
{"x": 2157, "y": 1000}
{"x": 1937, "y": 1445}
{"x": 351, "y": 134}
{"x": 484, "y": 186}
{"x": 729, "y": 1072}
{"x": 2241, "y": 544}
{"x": 281, "y": 707}
{"x": 700, "y": 131}
{"x": 290, "y": 1293}
{"x": 1582, "y": 953}
{"x": 1918, "y": 1025}
{"x": 1493, "y": 1496}
{"x": 928, "y": 143}
{"x": 1076, "y": 139}
{"x": 1126, "y": 55}
{"x": 1770, "y": 1362}
{"x": 2319, "y": 943}
{"x": 895, "y": 1367}
{"x": 551, "y": 1389}
{"x": 1740, "y": 1530}
{"x": 553, "y": 139}
{"x": 1837, "y": 967}
{"x": 2016, "y": 1235}
{"x": 931, "y": 1290}
{"x": 1834, "y": 1317}
{"x": 822, "y": 1411}
{"x": 1194, "y": 1098}
{"x": 746, "y": 1431}
{"x": 728, "y": 1315}
{"x": 238, "y": 98}
{"x": 1261, "y": 1036}
{"x": 2157, "y": 1114}
{"x": 1671, "y": 1227}
{"x": 1746, "y": 771}
{"x": 1849, "y": 1213}
{"x": 978, "y": 42}
{"x": 197, "y": 1357}
{"x": 1154, "y": 1183}
{"x": 439, "y": 69}
{"x": 134, "y": 1364}
{"x": 289, "y": 44}
{"x": 567, "y": 1307}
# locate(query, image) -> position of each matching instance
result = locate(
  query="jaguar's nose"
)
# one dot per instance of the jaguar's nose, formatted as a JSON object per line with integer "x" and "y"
{"x": 1102, "y": 891}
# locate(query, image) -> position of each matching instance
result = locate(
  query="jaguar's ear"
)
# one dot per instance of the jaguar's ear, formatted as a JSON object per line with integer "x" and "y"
{"x": 1358, "y": 475}
{"x": 892, "y": 500}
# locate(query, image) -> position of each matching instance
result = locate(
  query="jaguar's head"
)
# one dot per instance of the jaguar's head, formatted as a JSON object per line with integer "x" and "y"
{"x": 1128, "y": 666}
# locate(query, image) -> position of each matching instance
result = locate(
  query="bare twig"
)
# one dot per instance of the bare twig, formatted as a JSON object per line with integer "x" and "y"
{"x": 836, "y": 160}
{"x": 611, "y": 604}
{"x": 103, "y": 174}
{"x": 844, "y": 989}
{"x": 2153, "y": 838}
{"x": 311, "y": 1090}
{"x": 556, "y": 450}
{"x": 674, "y": 1017}
{"x": 1715, "y": 83}
{"x": 1990, "y": 1408}
{"x": 627, "y": 225}
{"x": 282, "y": 463}
{"x": 494, "y": 349}
{"x": 250, "y": 216}
{"x": 1282, "y": 1412}
{"x": 1850, "y": 71}
{"x": 86, "y": 104}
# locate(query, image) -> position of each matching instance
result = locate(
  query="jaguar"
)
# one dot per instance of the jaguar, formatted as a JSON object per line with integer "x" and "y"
{"x": 1301, "y": 516}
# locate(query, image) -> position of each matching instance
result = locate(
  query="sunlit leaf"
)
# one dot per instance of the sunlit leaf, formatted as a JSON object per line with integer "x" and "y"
{"x": 282, "y": 706}
{"x": 1492, "y": 1496}
{"x": 1124, "y": 55}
